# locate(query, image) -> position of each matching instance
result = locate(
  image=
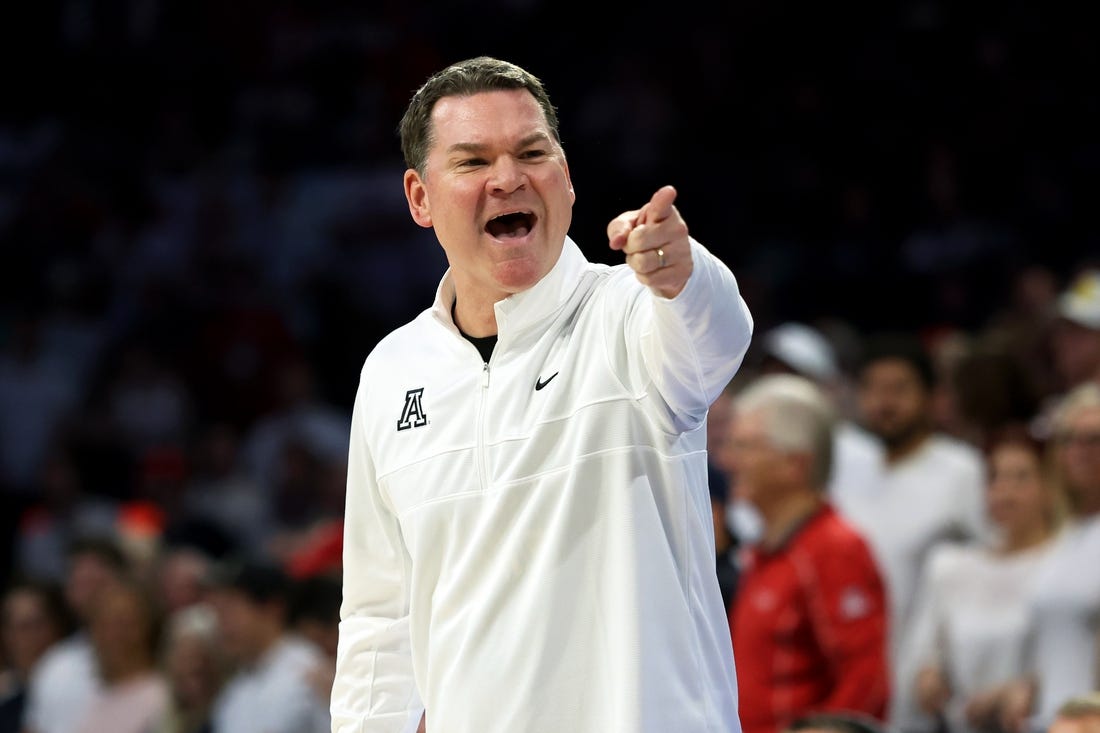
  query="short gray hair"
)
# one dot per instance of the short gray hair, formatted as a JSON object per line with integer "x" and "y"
{"x": 798, "y": 417}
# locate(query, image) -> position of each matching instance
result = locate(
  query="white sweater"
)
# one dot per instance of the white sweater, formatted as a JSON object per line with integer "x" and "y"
{"x": 542, "y": 559}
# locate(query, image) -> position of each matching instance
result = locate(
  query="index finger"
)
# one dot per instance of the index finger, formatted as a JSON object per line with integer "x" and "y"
{"x": 659, "y": 207}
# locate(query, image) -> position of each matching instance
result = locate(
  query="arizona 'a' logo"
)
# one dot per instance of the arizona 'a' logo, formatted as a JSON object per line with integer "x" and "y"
{"x": 412, "y": 416}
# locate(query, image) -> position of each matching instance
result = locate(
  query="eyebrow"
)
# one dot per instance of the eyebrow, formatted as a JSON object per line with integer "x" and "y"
{"x": 531, "y": 139}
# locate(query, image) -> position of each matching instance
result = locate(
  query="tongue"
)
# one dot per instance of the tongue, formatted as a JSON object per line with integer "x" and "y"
{"x": 508, "y": 230}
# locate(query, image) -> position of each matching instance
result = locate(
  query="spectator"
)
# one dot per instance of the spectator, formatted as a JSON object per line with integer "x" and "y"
{"x": 809, "y": 617}
{"x": 180, "y": 576}
{"x": 1065, "y": 600}
{"x": 1075, "y": 342}
{"x": 315, "y": 615}
{"x": 1077, "y": 331}
{"x": 925, "y": 488}
{"x": 33, "y": 617}
{"x": 125, "y": 632}
{"x": 270, "y": 690}
{"x": 1079, "y": 714}
{"x": 67, "y": 681}
{"x": 196, "y": 667}
{"x": 798, "y": 348}
{"x": 971, "y": 631}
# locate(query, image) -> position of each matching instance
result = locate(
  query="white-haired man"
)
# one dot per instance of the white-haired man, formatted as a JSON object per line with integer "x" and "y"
{"x": 810, "y": 611}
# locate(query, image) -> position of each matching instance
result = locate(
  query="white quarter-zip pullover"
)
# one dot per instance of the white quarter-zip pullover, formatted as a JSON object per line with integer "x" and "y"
{"x": 528, "y": 542}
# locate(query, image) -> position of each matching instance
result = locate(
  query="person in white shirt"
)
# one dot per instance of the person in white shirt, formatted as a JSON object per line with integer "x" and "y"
{"x": 1065, "y": 601}
{"x": 270, "y": 690}
{"x": 125, "y": 630}
{"x": 971, "y": 629}
{"x": 529, "y": 542}
{"x": 67, "y": 680}
{"x": 922, "y": 489}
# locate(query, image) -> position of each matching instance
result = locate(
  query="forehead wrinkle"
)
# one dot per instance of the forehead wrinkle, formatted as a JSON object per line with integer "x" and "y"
{"x": 473, "y": 147}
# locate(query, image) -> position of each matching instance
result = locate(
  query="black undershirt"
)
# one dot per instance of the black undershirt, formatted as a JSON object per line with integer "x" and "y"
{"x": 483, "y": 344}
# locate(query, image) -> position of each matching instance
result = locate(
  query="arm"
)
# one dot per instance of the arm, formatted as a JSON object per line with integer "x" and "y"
{"x": 695, "y": 312}
{"x": 373, "y": 690}
{"x": 926, "y": 639}
{"x": 847, "y": 601}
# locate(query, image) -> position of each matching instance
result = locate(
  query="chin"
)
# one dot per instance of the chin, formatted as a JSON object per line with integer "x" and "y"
{"x": 519, "y": 275}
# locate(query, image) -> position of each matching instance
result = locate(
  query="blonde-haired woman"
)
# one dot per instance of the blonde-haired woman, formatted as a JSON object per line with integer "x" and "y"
{"x": 1065, "y": 602}
{"x": 973, "y": 623}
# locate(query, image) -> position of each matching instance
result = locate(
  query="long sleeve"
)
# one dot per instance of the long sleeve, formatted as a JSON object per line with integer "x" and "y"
{"x": 374, "y": 690}
{"x": 848, "y": 612}
{"x": 693, "y": 344}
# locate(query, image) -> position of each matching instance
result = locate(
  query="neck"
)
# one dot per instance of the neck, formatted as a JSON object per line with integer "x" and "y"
{"x": 722, "y": 542}
{"x": 1087, "y": 501}
{"x": 127, "y": 667}
{"x": 902, "y": 449}
{"x": 1024, "y": 539}
{"x": 780, "y": 519}
{"x": 474, "y": 322}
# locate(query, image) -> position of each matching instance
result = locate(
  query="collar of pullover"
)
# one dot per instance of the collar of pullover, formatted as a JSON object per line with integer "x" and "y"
{"x": 519, "y": 311}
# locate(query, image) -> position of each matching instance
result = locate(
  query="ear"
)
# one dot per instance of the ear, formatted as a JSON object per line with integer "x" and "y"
{"x": 800, "y": 464}
{"x": 569, "y": 180}
{"x": 417, "y": 196}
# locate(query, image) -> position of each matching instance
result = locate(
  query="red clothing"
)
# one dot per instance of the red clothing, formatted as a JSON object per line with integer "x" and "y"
{"x": 809, "y": 627}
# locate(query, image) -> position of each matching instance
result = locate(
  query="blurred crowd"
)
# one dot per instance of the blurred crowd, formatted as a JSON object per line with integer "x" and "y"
{"x": 203, "y": 233}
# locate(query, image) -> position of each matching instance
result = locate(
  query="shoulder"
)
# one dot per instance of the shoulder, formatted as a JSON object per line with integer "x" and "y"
{"x": 948, "y": 559}
{"x": 958, "y": 452}
{"x": 831, "y": 536}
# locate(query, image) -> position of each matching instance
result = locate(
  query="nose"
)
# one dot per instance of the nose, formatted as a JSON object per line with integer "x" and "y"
{"x": 506, "y": 175}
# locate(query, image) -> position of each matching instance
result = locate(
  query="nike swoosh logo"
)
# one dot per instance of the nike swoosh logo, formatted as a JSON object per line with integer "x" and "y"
{"x": 539, "y": 383}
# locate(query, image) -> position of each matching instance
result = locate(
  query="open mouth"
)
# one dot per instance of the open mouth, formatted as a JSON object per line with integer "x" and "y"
{"x": 511, "y": 225}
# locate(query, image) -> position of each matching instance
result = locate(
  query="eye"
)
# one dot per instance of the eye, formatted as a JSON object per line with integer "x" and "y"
{"x": 533, "y": 154}
{"x": 471, "y": 162}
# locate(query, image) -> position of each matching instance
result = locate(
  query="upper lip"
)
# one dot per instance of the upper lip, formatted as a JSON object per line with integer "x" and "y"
{"x": 525, "y": 212}
{"x": 530, "y": 219}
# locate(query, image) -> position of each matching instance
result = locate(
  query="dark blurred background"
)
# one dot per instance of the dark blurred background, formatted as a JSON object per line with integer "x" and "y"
{"x": 203, "y": 230}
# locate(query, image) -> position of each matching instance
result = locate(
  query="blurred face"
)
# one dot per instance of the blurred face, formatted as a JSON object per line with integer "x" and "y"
{"x": 893, "y": 401}
{"x": 1079, "y": 456}
{"x": 27, "y": 630}
{"x": 1076, "y": 352}
{"x": 497, "y": 192}
{"x": 120, "y": 629}
{"x": 193, "y": 670}
{"x": 1016, "y": 497}
{"x": 241, "y": 622}
{"x": 88, "y": 575}
{"x": 1078, "y": 724}
{"x": 759, "y": 469}
{"x": 181, "y": 580}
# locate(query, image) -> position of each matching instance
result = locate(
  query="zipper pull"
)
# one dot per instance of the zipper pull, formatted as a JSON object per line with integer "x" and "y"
{"x": 485, "y": 376}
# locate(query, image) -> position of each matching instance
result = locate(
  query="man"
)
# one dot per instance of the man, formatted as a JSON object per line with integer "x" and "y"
{"x": 270, "y": 692}
{"x": 925, "y": 488}
{"x": 528, "y": 541}
{"x": 810, "y": 612}
{"x": 1075, "y": 342}
{"x": 66, "y": 682}
{"x": 1076, "y": 339}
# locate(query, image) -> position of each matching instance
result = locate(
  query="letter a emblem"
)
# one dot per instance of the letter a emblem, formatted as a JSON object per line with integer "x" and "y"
{"x": 413, "y": 415}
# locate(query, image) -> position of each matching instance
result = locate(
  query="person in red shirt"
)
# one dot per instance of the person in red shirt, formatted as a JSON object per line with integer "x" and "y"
{"x": 809, "y": 621}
